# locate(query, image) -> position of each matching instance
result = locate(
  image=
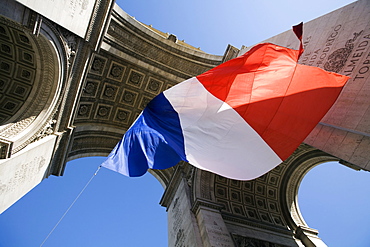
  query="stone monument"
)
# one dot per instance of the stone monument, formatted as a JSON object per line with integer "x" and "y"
{"x": 69, "y": 91}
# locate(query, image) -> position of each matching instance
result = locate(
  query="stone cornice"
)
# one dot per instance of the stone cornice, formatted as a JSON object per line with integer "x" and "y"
{"x": 205, "y": 203}
{"x": 171, "y": 188}
{"x": 154, "y": 37}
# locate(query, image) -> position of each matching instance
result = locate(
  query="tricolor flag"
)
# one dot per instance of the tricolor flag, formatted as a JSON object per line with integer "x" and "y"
{"x": 239, "y": 119}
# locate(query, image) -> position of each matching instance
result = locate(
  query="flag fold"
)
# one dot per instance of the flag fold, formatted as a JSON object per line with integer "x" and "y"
{"x": 239, "y": 119}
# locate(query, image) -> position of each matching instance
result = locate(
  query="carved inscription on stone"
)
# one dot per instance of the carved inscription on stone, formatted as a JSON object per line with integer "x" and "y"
{"x": 74, "y": 15}
{"x": 177, "y": 217}
{"x": 77, "y": 7}
{"x": 359, "y": 58}
{"x": 352, "y": 59}
{"x": 27, "y": 169}
{"x": 24, "y": 171}
{"x": 219, "y": 235}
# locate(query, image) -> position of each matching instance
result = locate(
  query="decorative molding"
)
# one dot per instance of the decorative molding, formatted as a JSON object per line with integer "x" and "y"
{"x": 140, "y": 45}
{"x": 208, "y": 204}
{"x": 205, "y": 188}
{"x": 70, "y": 44}
{"x": 242, "y": 241}
{"x": 160, "y": 41}
{"x": 230, "y": 53}
{"x": 173, "y": 184}
{"x": 73, "y": 82}
{"x": 98, "y": 22}
{"x": 256, "y": 200}
{"x": 5, "y": 148}
{"x": 47, "y": 130}
{"x": 163, "y": 176}
{"x": 92, "y": 143}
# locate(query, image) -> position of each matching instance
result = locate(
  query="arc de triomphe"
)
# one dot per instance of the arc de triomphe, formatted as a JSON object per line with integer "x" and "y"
{"x": 69, "y": 91}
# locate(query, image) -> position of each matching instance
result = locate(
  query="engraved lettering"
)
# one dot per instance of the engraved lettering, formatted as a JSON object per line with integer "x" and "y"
{"x": 306, "y": 42}
{"x": 357, "y": 54}
{"x": 352, "y": 65}
{"x": 329, "y": 43}
{"x": 363, "y": 43}
{"x": 363, "y": 70}
{"x": 358, "y": 77}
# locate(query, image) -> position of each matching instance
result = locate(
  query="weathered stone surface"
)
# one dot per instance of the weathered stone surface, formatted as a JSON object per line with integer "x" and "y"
{"x": 24, "y": 171}
{"x": 73, "y": 15}
{"x": 212, "y": 228}
{"x": 100, "y": 92}
{"x": 182, "y": 227}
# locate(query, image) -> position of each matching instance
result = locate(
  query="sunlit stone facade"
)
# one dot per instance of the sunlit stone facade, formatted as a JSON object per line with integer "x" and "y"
{"x": 69, "y": 91}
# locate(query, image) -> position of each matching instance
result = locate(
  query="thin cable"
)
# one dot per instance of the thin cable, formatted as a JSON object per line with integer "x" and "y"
{"x": 70, "y": 206}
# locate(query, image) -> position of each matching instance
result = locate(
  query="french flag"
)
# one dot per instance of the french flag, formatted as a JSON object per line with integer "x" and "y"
{"x": 239, "y": 119}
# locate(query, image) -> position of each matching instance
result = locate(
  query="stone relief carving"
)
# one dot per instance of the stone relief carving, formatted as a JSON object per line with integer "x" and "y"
{"x": 5, "y": 148}
{"x": 190, "y": 176}
{"x": 339, "y": 57}
{"x": 70, "y": 44}
{"x": 241, "y": 241}
{"x": 98, "y": 65}
{"x": 47, "y": 130}
{"x": 256, "y": 200}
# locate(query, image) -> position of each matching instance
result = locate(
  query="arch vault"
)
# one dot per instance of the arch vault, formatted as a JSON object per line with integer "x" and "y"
{"x": 68, "y": 92}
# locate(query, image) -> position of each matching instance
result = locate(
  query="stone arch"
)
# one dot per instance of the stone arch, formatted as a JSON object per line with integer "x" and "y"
{"x": 305, "y": 159}
{"x": 299, "y": 164}
{"x": 268, "y": 202}
{"x": 134, "y": 64}
{"x": 31, "y": 82}
{"x": 255, "y": 202}
{"x": 163, "y": 176}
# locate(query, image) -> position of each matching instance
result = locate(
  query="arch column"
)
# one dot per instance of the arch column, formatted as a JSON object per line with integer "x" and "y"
{"x": 299, "y": 164}
{"x": 183, "y": 227}
{"x": 212, "y": 226}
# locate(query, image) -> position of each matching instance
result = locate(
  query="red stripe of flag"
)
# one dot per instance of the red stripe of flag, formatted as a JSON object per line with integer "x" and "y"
{"x": 280, "y": 99}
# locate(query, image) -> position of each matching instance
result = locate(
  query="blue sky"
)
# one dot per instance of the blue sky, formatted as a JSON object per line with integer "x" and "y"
{"x": 118, "y": 211}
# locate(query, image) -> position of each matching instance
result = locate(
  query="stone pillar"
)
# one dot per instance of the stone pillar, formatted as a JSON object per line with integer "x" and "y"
{"x": 24, "y": 170}
{"x": 309, "y": 237}
{"x": 182, "y": 224}
{"x": 212, "y": 227}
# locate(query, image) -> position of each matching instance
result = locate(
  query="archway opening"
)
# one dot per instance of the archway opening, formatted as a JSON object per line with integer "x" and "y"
{"x": 113, "y": 210}
{"x": 334, "y": 200}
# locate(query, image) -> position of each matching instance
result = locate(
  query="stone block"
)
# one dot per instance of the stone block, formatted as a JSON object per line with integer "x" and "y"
{"x": 24, "y": 170}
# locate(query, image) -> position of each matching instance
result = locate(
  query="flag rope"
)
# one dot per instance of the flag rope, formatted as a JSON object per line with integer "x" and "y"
{"x": 65, "y": 213}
